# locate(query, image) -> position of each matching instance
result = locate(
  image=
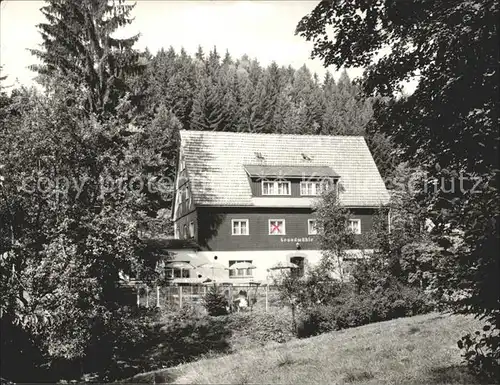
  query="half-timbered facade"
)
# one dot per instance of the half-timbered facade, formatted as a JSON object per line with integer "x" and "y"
{"x": 247, "y": 199}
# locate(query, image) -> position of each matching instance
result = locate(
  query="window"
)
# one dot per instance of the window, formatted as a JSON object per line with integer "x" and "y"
{"x": 355, "y": 225}
{"x": 275, "y": 187}
{"x": 184, "y": 232}
{"x": 277, "y": 227}
{"x": 310, "y": 188}
{"x": 176, "y": 232}
{"x": 191, "y": 229}
{"x": 240, "y": 272}
{"x": 314, "y": 188}
{"x": 239, "y": 227}
{"x": 311, "y": 227}
{"x": 177, "y": 273}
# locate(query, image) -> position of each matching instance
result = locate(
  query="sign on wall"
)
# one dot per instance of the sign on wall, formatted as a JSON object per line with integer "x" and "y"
{"x": 303, "y": 239}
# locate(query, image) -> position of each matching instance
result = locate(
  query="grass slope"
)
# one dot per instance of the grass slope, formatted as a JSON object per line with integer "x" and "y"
{"x": 414, "y": 350}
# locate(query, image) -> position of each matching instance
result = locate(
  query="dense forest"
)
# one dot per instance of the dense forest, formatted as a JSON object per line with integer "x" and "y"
{"x": 210, "y": 92}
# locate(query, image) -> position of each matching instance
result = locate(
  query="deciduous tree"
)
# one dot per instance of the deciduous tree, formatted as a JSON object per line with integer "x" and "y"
{"x": 448, "y": 125}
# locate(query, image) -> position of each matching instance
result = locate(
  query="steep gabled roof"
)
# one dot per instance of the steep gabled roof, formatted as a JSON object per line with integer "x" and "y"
{"x": 217, "y": 164}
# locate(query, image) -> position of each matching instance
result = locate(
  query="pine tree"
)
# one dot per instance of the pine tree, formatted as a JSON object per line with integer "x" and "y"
{"x": 199, "y": 55}
{"x": 283, "y": 118}
{"x": 213, "y": 63}
{"x": 78, "y": 45}
{"x": 248, "y": 118}
{"x": 215, "y": 303}
{"x": 181, "y": 86}
{"x": 267, "y": 92}
{"x": 229, "y": 93}
{"x": 228, "y": 60}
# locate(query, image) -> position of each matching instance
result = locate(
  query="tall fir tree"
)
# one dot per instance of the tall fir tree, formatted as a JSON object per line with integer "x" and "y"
{"x": 78, "y": 44}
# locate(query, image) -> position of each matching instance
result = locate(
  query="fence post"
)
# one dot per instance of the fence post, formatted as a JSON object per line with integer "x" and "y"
{"x": 147, "y": 296}
{"x": 180, "y": 297}
{"x": 137, "y": 291}
{"x": 157, "y": 295}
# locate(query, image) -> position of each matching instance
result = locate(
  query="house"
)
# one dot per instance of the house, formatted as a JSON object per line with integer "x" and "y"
{"x": 247, "y": 199}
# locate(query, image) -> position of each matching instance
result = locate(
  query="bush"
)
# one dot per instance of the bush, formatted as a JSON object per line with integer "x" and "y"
{"x": 184, "y": 336}
{"x": 258, "y": 329}
{"x": 215, "y": 302}
{"x": 482, "y": 353}
{"x": 354, "y": 309}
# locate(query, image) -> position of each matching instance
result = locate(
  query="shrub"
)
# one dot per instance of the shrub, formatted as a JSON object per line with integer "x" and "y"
{"x": 316, "y": 320}
{"x": 253, "y": 329}
{"x": 186, "y": 335}
{"x": 354, "y": 309}
{"x": 215, "y": 302}
{"x": 482, "y": 353}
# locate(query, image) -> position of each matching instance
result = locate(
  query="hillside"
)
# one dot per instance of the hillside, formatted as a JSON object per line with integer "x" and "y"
{"x": 413, "y": 350}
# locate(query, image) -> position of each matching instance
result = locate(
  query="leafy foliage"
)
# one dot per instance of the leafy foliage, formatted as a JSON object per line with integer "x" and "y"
{"x": 352, "y": 309}
{"x": 482, "y": 353}
{"x": 389, "y": 282}
{"x": 186, "y": 336}
{"x": 69, "y": 208}
{"x": 334, "y": 235}
{"x": 448, "y": 126}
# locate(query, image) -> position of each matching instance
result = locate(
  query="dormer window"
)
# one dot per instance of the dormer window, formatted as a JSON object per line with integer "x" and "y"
{"x": 276, "y": 187}
{"x": 310, "y": 188}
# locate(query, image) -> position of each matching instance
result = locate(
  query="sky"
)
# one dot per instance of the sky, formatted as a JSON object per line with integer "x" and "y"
{"x": 261, "y": 29}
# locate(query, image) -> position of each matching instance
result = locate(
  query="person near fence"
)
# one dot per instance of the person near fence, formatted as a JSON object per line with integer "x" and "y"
{"x": 241, "y": 303}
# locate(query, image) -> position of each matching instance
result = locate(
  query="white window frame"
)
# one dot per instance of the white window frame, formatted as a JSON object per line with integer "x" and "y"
{"x": 191, "y": 229}
{"x": 358, "y": 221}
{"x": 235, "y": 273}
{"x": 184, "y": 231}
{"x": 276, "y": 220}
{"x": 170, "y": 272}
{"x": 239, "y": 220}
{"x": 315, "y": 232}
{"x": 275, "y": 184}
{"x": 315, "y": 190}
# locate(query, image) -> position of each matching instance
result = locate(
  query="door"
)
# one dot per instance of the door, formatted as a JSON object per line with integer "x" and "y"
{"x": 299, "y": 261}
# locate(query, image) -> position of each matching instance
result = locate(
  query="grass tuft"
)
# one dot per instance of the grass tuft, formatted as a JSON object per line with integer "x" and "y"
{"x": 358, "y": 376}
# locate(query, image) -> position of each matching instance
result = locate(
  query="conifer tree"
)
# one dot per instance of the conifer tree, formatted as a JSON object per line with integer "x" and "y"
{"x": 78, "y": 45}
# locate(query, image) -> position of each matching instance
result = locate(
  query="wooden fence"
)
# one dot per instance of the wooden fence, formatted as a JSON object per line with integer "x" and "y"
{"x": 262, "y": 297}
